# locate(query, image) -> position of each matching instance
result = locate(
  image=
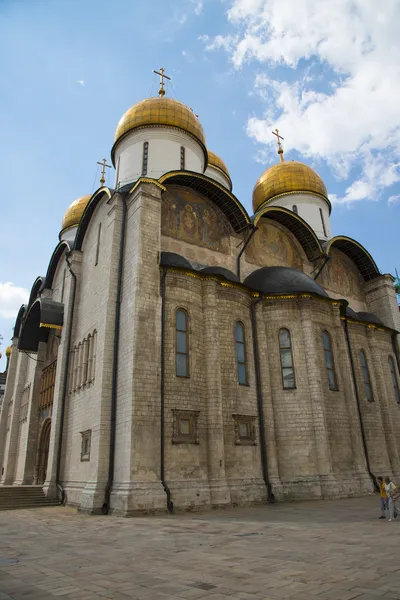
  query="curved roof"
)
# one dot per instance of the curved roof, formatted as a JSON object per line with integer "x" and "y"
{"x": 369, "y": 318}
{"x": 53, "y": 264}
{"x": 357, "y": 253}
{"x": 88, "y": 213}
{"x": 283, "y": 280}
{"x": 37, "y": 286}
{"x": 157, "y": 112}
{"x": 287, "y": 177}
{"x": 221, "y": 272}
{"x": 43, "y": 315}
{"x": 74, "y": 212}
{"x": 296, "y": 225}
{"x": 18, "y": 320}
{"x": 223, "y": 198}
{"x": 170, "y": 259}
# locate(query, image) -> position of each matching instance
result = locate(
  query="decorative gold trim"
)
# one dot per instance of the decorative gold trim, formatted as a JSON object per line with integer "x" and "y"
{"x": 147, "y": 180}
{"x": 50, "y": 326}
{"x": 365, "y": 324}
{"x": 171, "y": 174}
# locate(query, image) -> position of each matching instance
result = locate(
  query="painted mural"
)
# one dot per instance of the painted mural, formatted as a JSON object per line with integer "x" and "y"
{"x": 342, "y": 276}
{"x": 270, "y": 246}
{"x": 190, "y": 217}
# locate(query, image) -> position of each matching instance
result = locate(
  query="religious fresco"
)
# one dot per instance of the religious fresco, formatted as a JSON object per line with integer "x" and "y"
{"x": 188, "y": 216}
{"x": 342, "y": 276}
{"x": 272, "y": 247}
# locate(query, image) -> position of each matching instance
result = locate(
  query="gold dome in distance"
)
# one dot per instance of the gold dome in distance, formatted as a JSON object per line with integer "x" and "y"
{"x": 285, "y": 177}
{"x": 160, "y": 111}
{"x": 217, "y": 162}
{"x": 74, "y": 212}
{"x": 8, "y": 351}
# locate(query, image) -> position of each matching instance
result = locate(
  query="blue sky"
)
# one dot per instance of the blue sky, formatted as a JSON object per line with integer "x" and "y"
{"x": 244, "y": 66}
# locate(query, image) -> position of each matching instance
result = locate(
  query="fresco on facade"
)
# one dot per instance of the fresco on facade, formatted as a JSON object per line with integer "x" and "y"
{"x": 188, "y": 216}
{"x": 342, "y": 276}
{"x": 272, "y": 247}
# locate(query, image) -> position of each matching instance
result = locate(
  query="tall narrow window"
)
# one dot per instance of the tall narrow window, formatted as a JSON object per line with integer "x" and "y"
{"x": 366, "y": 377}
{"x": 182, "y": 346}
{"x": 330, "y": 365}
{"x": 294, "y": 208}
{"x": 98, "y": 245}
{"x": 182, "y": 158}
{"x": 322, "y": 221}
{"x": 145, "y": 157}
{"x": 285, "y": 348}
{"x": 241, "y": 354}
{"x": 394, "y": 379}
{"x": 63, "y": 286}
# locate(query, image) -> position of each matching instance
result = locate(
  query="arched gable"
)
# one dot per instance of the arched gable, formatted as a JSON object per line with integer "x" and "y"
{"x": 211, "y": 189}
{"x": 18, "y": 320}
{"x": 357, "y": 253}
{"x": 53, "y": 264}
{"x": 296, "y": 225}
{"x": 91, "y": 206}
{"x": 44, "y": 314}
{"x": 37, "y": 286}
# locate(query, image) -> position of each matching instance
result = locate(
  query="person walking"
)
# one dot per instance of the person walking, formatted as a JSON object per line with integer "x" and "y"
{"x": 383, "y": 498}
{"x": 392, "y": 495}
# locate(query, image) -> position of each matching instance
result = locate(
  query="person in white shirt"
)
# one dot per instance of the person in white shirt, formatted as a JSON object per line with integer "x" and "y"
{"x": 392, "y": 494}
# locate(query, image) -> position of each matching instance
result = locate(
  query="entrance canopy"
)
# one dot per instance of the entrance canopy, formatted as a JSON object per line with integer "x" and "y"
{"x": 43, "y": 315}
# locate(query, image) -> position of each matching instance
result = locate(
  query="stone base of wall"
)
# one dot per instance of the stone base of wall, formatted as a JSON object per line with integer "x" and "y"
{"x": 138, "y": 497}
{"x": 327, "y": 487}
{"x": 250, "y": 491}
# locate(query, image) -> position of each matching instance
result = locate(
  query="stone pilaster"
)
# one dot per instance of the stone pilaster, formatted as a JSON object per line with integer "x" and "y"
{"x": 219, "y": 491}
{"x": 10, "y": 384}
{"x": 382, "y": 301}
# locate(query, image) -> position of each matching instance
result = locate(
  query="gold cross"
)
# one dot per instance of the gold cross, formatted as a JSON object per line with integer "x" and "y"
{"x": 104, "y": 164}
{"x": 161, "y": 91}
{"x": 279, "y": 138}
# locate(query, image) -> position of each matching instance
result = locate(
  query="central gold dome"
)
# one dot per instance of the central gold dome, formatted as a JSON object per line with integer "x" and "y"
{"x": 74, "y": 212}
{"x": 160, "y": 111}
{"x": 286, "y": 177}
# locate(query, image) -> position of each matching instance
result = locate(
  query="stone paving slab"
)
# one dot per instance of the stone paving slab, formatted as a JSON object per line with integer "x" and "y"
{"x": 326, "y": 550}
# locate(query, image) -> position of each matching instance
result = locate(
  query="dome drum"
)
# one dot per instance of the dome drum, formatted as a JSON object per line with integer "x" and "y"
{"x": 218, "y": 170}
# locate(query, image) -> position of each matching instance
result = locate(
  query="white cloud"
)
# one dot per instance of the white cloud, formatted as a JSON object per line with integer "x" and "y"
{"x": 198, "y": 6}
{"x": 331, "y": 82}
{"x": 394, "y": 199}
{"x": 11, "y": 298}
{"x": 81, "y": 82}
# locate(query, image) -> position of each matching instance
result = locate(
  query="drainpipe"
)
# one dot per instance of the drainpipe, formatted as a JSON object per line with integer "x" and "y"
{"x": 114, "y": 384}
{"x": 354, "y": 377}
{"x": 252, "y": 232}
{"x": 65, "y": 382}
{"x": 326, "y": 259}
{"x": 261, "y": 424}
{"x": 170, "y": 505}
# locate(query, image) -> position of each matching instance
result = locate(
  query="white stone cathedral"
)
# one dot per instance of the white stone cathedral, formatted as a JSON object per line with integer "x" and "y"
{"x": 180, "y": 353}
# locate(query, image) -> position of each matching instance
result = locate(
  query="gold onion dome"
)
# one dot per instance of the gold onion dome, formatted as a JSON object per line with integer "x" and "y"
{"x": 217, "y": 162}
{"x": 160, "y": 111}
{"x": 8, "y": 351}
{"x": 74, "y": 212}
{"x": 286, "y": 177}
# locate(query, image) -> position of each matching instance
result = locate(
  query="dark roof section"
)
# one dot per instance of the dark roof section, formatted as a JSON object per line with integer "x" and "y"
{"x": 18, "y": 320}
{"x": 223, "y": 198}
{"x": 43, "y": 315}
{"x": 283, "y": 280}
{"x": 369, "y": 318}
{"x": 37, "y": 287}
{"x": 170, "y": 259}
{"x": 296, "y": 225}
{"x": 350, "y": 313}
{"x": 357, "y": 253}
{"x": 53, "y": 264}
{"x": 88, "y": 213}
{"x": 221, "y": 272}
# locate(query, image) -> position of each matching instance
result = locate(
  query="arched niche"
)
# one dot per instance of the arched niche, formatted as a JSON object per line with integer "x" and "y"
{"x": 273, "y": 245}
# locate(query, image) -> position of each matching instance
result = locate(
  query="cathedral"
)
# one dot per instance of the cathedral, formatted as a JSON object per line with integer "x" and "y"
{"x": 180, "y": 353}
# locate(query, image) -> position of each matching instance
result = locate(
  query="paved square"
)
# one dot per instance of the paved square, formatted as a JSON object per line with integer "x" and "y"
{"x": 322, "y": 550}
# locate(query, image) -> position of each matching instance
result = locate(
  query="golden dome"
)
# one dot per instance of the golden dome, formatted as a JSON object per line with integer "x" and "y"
{"x": 74, "y": 212}
{"x": 160, "y": 111}
{"x": 284, "y": 177}
{"x": 217, "y": 162}
{"x": 8, "y": 351}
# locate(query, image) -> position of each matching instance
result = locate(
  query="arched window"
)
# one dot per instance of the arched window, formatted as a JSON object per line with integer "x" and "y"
{"x": 392, "y": 367}
{"x": 321, "y": 214}
{"x": 329, "y": 363}
{"x": 98, "y": 245}
{"x": 241, "y": 353}
{"x": 182, "y": 345}
{"x": 366, "y": 378}
{"x": 285, "y": 349}
{"x": 145, "y": 158}
{"x": 294, "y": 208}
{"x": 182, "y": 158}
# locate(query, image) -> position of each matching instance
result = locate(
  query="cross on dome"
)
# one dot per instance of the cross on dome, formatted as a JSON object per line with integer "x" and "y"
{"x": 161, "y": 73}
{"x": 278, "y": 139}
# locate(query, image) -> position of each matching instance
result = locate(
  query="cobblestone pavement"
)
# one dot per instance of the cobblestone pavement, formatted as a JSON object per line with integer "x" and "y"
{"x": 309, "y": 550}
